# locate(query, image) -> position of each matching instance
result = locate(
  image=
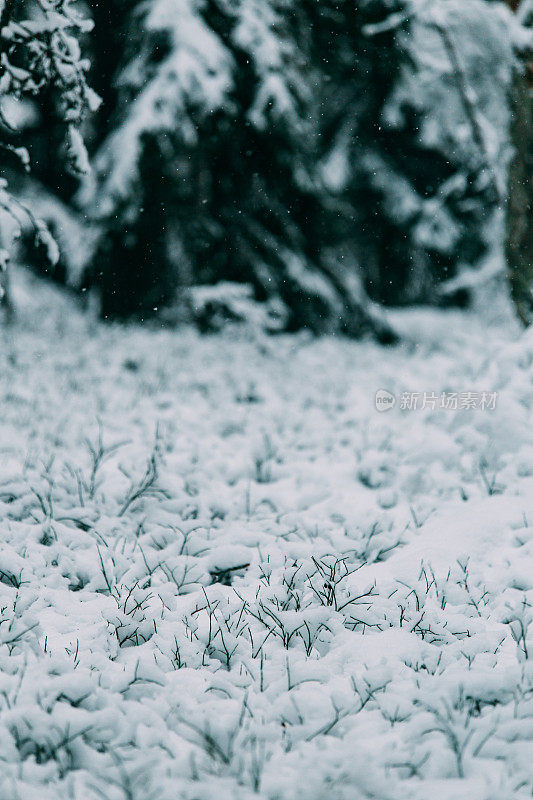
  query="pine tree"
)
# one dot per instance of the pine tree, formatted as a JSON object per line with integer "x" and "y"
{"x": 40, "y": 55}
{"x": 228, "y": 98}
{"x": 319, "y": 151}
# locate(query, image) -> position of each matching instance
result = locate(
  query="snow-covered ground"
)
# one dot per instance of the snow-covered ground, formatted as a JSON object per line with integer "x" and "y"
{"x": 224, "y": 574}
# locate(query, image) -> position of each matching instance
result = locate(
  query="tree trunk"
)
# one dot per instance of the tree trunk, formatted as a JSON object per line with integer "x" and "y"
{"x": 519, "y": 211}
{"x": 519, "y": 216}
{"x": 7, "y": 309}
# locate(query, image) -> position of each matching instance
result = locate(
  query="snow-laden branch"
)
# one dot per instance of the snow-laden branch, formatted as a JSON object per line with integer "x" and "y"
{"x": 40, "y": 51}
{"x": 390, "y": 23}
{"x": 525, "y": 12}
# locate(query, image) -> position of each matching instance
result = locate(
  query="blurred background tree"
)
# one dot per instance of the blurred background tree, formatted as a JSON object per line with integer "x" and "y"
{"x": 40, "y": 68}
{"x": 519, "y": 216}
{"x": 213, "y": 173}
{"x": 335, "y": 157}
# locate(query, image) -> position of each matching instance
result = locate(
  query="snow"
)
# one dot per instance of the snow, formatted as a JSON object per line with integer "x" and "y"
{"x": 225, "y": 573}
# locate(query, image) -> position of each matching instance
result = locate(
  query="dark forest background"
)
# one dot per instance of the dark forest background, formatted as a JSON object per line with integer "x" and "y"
{"x": 316, "y": 160}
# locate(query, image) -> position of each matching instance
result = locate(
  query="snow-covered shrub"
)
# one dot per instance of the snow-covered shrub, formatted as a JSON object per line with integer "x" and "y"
{"x": 213, "y": 307}
{"x": 40, "y": 54}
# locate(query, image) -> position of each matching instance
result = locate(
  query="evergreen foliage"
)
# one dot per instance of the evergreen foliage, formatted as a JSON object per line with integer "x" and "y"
{"x": 239, "y": 105}
{"x": 293, "y": 147}
{"x": 331, "y": 156}
{"x": 41, "y": 61}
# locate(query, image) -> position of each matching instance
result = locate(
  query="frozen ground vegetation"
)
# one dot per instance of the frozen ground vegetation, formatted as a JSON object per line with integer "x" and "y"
{"x": 224, "y": 574}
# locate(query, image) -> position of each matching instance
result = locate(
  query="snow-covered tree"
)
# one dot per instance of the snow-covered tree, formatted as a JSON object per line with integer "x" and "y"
{"x": 436, "y": 169}
{"x": 214, "y": 168}
{"x": 40, "y": 52}
{"x": 320, "y": 152}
